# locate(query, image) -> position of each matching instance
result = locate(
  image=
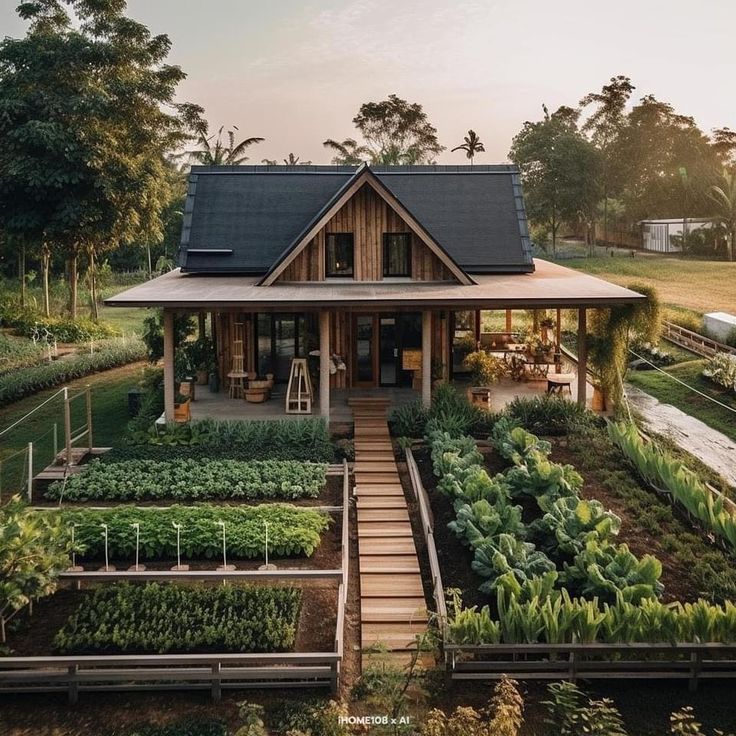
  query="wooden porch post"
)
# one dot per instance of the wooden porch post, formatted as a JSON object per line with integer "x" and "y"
{"x": 426, "y": 358}
{"x": 508, "y": 320}
{"x": 169, "y": 364}
{"x": 202, "y": 329}
{"x": 324, "y": 364}
{"x": 477, "y": 327}
{"x": 582, "y": 356}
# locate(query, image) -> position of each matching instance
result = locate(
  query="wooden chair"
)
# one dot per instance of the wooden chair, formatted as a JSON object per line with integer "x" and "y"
{"x": 237, "y": 375}
{"x": 183, "y": 412}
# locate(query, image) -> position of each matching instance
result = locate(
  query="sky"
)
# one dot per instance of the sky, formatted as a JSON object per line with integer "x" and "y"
{"x": 297, "y": 72}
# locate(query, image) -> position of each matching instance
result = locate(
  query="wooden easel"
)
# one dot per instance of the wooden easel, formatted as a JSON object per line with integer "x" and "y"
{"x": 299, "y": 390}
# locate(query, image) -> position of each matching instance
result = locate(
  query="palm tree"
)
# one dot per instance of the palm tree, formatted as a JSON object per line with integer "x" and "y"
{"x": 472, "y": 145}
{"x": 348, "y": 152}
{"x": 724, "y": 196}
{"x": 213, "y": 151}
{"x": 294, "y": 160}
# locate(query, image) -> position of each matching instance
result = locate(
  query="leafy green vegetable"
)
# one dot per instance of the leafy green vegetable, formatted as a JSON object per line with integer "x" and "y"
{"x": 192, "y": 480}
{"x": 291, "y": 530}
{"x": 161, "y": 618}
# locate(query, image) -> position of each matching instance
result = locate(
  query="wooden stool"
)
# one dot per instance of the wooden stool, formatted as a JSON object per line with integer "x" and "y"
{"x": 558, "y": 382}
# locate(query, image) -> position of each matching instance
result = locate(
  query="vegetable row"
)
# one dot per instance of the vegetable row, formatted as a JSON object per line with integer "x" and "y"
{"x": 168, "y": 618}
{"x": 560, "y": 578}
{"x": 190, "y": 479}
{"x": 292, "y": 531}
{"x": 663, "y": 472}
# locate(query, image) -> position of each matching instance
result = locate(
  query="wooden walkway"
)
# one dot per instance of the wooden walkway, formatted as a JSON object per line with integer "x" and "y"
{"x": 392, "y": 605}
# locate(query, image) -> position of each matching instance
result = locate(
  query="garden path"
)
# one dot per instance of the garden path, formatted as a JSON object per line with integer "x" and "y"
{"x": 711, "y": 447}
{"x": 392, "y": 606}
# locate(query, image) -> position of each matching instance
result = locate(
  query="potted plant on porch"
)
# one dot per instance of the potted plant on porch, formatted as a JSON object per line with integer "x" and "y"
{"x": 201, "y": 355}
{"x": 485, "y": 370}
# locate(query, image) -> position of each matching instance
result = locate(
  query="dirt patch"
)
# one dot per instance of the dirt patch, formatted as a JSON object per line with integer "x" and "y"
{"x": 675, "y": 575}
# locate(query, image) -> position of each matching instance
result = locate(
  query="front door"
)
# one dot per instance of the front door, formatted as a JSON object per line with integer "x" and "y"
{"x": 379, "y": 344}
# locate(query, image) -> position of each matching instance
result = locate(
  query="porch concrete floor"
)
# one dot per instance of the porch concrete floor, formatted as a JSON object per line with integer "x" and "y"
{"x": 208, "y": 405}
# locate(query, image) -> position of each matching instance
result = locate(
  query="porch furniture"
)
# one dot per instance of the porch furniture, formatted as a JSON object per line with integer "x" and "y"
{"x": 299, "y": 394}
{"x": 186, "y": 388}
{"x": 558, "y": 382}
{"x": 258, "y": 391}
{"x": 480, "y": 396}
{"x": 183, "y": 412}
{"x": 496, "y": 341}
{"x": 237, "y": 374}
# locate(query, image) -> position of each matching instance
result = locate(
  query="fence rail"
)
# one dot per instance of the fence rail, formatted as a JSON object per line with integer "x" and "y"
{"x": 694, "y": 341}
{"x": 425, "y": 513}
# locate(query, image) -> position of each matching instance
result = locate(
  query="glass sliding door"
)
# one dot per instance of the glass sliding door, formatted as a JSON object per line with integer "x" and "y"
{"x": 279, "y": 339}
{"x": 365, "y": 350}
{"x": 388, "y": 351}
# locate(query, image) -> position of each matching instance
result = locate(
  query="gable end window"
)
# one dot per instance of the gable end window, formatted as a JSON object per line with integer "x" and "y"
{"x": 339, "y": 255}
{"x": 396, "y": 255}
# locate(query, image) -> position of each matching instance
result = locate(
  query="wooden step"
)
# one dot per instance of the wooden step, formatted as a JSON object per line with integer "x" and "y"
{"x": 389, "y": 563}
{"x": 378, "y": 489}
{"x": 381, "y": 502}
{"x": 385, "y": 610}
{"x": 367, "y": 515}
{"x": 391, "y": 585}
{"x": 398, "y": 660}
{"x": 376, "y": 478}
{"x": 385, "y": 529}
{"x": 389, "y": 546}
{"x": 377, "y": 466}
{"x": 392, "y": 635}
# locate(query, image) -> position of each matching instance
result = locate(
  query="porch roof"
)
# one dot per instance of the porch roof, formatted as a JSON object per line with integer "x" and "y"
{"x": 550, "y": 285}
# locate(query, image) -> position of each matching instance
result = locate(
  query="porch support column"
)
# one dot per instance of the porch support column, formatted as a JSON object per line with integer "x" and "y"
{"x": 169, "y": 364}
{"x": 508, "y": 320}
{"x": 582, "y": 356}
{"x": 324, "y": 364}
{"x": 426, "y": 358}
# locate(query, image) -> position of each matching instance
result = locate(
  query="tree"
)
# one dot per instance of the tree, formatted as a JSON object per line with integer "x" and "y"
{"x": 723, "y": 142}
{"x": 213, "y": 151}
{"x": 558, "y": 167}
{"x": 87, "y": 116}
{"x": 395, "y": 132}
{"x": 471, "y": 145}
{"x": 604, "y": 126}
{"x": 34, "y": 549}
{"x": 347, "y": 152}
{"x": 269, "y": 162}
{"x": 723, "y": 196}
{"x": 293, "y": 160}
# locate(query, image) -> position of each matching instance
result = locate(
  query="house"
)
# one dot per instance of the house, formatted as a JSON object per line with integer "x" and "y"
{"x": 380, "y": 269}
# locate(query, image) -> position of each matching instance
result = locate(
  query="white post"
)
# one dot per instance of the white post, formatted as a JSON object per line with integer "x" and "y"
{"x": 169, "y": 365}
{"x": 29, "y": 486}
{"x": 107, "y": 567}
{"x": 138, "y": 567}
{"x": 178, "y": 544}
{"x": 426, "y": 358}
{"x": 266, "y": 523}
{"x": 324, "y": 364}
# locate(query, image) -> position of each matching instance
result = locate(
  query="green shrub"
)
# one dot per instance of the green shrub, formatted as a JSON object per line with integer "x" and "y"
{"x": 192, "y": 480}
{"x": 26, "y": 322}
{"x": 285, "y": 439}
{"x": 409, "y": 420}
{"x": 550, "y": 415}
{"x": 721, "y": 369}
{"x": 292, "y": 531}
{"x": 16, "y": 385}
{"x": 166, "y": 618}
{"x": 18, "y": 352}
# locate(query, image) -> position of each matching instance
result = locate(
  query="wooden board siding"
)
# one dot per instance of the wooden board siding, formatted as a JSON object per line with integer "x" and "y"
{"x": 368, "y": 217}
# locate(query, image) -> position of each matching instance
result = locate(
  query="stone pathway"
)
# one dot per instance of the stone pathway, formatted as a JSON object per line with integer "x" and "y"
{"x": 711, "y": 447}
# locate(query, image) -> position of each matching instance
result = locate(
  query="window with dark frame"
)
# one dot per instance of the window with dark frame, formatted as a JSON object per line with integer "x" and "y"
{"x": 339, "y": 255}
{"x": 396, "y": 254}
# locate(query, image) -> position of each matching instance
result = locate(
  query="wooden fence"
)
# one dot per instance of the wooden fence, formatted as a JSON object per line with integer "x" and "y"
{"x": 660, "y": 661}
{"x": 213, "y": 672}
{"x": 693, "y": 341}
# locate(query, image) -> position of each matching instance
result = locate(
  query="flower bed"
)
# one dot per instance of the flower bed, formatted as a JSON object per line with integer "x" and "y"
{"x": 110, "y": 354}
{"x": 190, "y": 479}
{"x": 165, "y": 618}
{"x": 292, "y": 531}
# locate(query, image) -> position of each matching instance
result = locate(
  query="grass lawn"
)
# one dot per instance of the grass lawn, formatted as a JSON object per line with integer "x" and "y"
{"x": 668, "y": 391}
{"x": 109, "y": 418}
{"x": 128, "y": 320}
{"x": 698, "y": 286}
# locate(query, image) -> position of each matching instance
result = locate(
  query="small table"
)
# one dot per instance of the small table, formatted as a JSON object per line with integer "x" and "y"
{"x": 558, "y": 382}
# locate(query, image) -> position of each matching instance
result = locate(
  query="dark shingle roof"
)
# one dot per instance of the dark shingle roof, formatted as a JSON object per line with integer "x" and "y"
{"x": 251, "y": 214}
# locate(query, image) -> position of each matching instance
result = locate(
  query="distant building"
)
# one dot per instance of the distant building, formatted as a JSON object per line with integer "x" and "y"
{"x": 666, "y": 236}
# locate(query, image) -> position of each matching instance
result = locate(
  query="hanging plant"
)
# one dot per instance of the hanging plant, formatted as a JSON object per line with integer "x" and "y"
{"x": 612, "y": 331}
